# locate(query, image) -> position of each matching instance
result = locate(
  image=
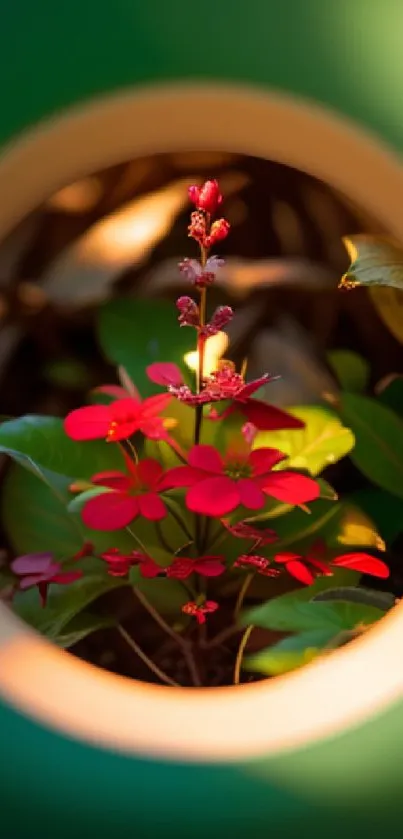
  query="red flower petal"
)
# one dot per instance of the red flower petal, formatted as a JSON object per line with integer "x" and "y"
{"x": 263, "y": 460}
{"x": 66, "y": 577}
{"x": 267, "y": 417}
{"x": 209, "y": 566}
{"x": 153, "y": 406}
{"x": 151, "y": 506}
{"x": 36, "y": 563}
{"x": 252, "y": 387}
{"x": 213, "y": 496}
{"x": 181, "y": 568}
{"x": 300, "y": 572}
{"x": 286, "y": 556}
{"x": 116, "y": 391}
{"x": 165, "y": 373}
{"x": 250, "y": 494}
{"x": 89, "y": 423}
{"x": 113, "y": 480}
{"x": 180, "y": 476}
{"x": 110, "y": 511}
{"x": 150, "y": 569}
{"x": 364, "y": 563}
{"x": 206, "y": 458}
{"x": 290, "y": 487}
{"x": 149, "y": 472}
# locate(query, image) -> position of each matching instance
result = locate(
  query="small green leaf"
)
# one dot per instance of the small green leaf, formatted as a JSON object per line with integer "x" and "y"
{"x": 323, "y": 440}
{"x": 43, "y": 440}
{"x": 77, "y": 503}
{"x": 290, "y": 653}
{"x": 375, "y": 260}
{"x": 77, "y": 629}
{"x": 65, "y": 602}
{"x": 136, "y": 332}
{"x": 351, "y": 369}
{"x": 357, "y": 594}
{"x": 378, "y": 451}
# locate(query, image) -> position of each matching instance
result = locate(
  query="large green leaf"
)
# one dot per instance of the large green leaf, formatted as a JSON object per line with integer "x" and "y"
{"x": 135, "y": 333}
{"x": 287, "y": 614}
{"x": 375, "y": 260}
{"x": 35, "y": 517}
{"x": 378, "y": 451}
{"x": 391, "y": 392}
{"x": 322, "y": 441}
{"x": 290, "y": 653}
{"x": 286, "y": 602}
{"x": 358, "y": 594}
{"x": 351, "y": 369}
{"x": 43, "y": 440}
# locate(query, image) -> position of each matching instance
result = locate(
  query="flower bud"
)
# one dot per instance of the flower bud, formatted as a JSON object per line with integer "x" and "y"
{"x": 189, "y": 314}
{"x": 219, "y": 230}
{"x": 197, "y": 227}
{"x": 220, "y": 319}
{"x": 207, "y": 197}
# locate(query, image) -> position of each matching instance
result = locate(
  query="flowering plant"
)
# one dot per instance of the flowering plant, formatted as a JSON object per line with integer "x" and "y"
{"x": 200, "y": 499}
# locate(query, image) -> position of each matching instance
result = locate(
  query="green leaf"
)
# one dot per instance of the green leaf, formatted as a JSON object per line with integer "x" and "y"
{"x": 357, "y": 594}
{"x": 378, "y": 451}
{"x": 43, "y": 440}
{"x": 77, "y": 629}
{"x": 323, "y": 440}
{"x": 351, "y": 369}
{"x": 338, "y": 524}
{"x": 65, "y": 602}
{"x": 290, "y": 653}
{"x": 375, "y": 260}
{"x": 388, "y": 303}
{"x": 68, "y": 373}
{"x": 384, "y": 509}
{"x": 135, "y": 333}
{"x": 78, "y": 502}
{"x": 391, "y": 394}
{"x": 298, "y": 611}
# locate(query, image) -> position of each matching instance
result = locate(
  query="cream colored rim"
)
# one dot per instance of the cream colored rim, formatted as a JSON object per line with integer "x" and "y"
{"x": 326, "y": 696}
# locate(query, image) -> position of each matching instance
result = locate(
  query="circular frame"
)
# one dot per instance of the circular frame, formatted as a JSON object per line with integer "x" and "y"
{"x": 330, "y": 694}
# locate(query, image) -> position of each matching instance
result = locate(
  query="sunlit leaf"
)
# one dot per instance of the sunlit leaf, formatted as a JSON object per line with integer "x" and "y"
{"x": 384, "y": 509}
{"x": 134, "y": 333}
{"x": 375, "y": 260}
{"x": 337, "y": 524}
{"x": 378, "y": 450}
{"x": 290, "y": 653}
{"x": 323, "y": 440}
{"x": 351, "y": 369}
{"x": 389, "y": 304}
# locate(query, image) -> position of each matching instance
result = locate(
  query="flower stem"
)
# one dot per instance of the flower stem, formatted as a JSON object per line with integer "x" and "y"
{"x": 242, "y": 593}
{"x": 182, "y": 642}
{"x": 179, "y": 519}
{"x": 148, "y": 661}
{"x": 218, "y": 639}
{"x": 241, "y": 650}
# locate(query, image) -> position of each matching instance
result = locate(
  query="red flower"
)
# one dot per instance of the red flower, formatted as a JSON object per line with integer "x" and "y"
{"x": 218, "y": 486}
{"x": 200, "y": 612}
{"x": 132, "y": 495}
{"x": 119, "y": 564}
{"x": 40, "y": 569}
{"x": 207, "y": 566}
{"x": 119, "y": 420}
{"x": 257, "y": 563}
{"x": 306, "y": 568}
{"x": 207, "y": 197}
{"x": 189, "y": 314}
{"x": 225, "y": 384}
